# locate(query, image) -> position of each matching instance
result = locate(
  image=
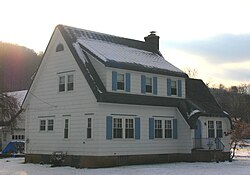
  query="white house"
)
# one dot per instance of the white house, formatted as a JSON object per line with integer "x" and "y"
{"x": 8, "y": 134}
{"x": 105, "y": 100}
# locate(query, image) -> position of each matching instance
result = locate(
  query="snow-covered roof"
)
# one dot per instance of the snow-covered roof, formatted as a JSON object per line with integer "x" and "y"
{"x": 108, "y": 51}
{"x": 113, "y": 50}
{"x": 19, "y": 95}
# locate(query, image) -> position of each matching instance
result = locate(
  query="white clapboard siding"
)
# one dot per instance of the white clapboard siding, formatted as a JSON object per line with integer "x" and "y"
{"x": 100, "y": 68}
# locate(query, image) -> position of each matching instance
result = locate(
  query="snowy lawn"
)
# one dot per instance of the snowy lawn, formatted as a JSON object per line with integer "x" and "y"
{"x": 240, "y": 166}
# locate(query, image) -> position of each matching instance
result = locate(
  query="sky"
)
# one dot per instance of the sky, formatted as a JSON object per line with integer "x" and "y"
{"x": 211, "y": 36}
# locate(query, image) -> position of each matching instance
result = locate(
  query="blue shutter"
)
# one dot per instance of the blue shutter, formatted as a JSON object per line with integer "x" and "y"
{"x": 155, "y": 85}
{"x": 137, "y": 128}
{"x": 179, "y": 88}
{"x": 114, "y": 80}
{"x": 174, "y": 128}
{"x": 151, "y": 128}
{"x": 127, "y": 82}
{"x": 169, "y": 87}
{"x": 109, "y": 128}
{"x": 143, "y": 84}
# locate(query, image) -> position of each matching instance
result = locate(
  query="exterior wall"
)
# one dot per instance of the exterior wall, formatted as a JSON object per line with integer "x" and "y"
{"x": 44, "y": 101}
{"x": 225, "y": 128}
{"x": 135, "y": 85}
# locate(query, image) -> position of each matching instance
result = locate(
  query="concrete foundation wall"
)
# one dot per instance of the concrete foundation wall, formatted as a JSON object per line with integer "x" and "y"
{"x": 110, "y": 161}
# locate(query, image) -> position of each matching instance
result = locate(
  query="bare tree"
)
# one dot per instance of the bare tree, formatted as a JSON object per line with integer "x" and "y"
{"x": 9, "y": 110}
{"x": 239, "y": 133}
{"x": 191, "y": 72}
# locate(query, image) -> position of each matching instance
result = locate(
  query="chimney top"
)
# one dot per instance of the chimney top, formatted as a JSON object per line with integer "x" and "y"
{"x": 152, "y": 41}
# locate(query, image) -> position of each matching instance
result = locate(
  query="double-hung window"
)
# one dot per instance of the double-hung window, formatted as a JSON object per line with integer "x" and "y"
{"x": 61, "y": 83}
{"x": 162, "y": 128}
{"x": 219, "y": 129}
{"x": 211, "y": 133}
{"x": 168, "y": 128}
{"x": 42, "y": 125}
{"x": 149, "y": 85}
{"x": 173, "y": 88}
{"x": 66, "y": 129}
{"x": 123, "y": 128}
{"x": 120, "y": 81}
{"x": 66, "y": 82}
{"x": 46, "y": 125}
{"x": 158, "y": 128}
{"x": 70, "y": 82}
{"x": 89, "y": 128}
{"x": 117, "y": 128}
{"x": 129, "y": 128}
{"x": 50, "y": 125}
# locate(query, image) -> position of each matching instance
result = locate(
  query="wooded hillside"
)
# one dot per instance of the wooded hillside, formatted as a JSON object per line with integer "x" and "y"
{"x": 17, "y": 65}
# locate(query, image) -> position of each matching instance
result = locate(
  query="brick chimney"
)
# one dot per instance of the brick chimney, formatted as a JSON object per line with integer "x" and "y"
{"x": 152, "y": 41}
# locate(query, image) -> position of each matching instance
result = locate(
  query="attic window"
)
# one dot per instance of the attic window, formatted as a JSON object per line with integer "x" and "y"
{"x": 59, "y": 47}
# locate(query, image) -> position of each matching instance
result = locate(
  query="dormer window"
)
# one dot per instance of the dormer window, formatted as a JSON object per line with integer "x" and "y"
{"x": 148, "y": 85}
{"x": 173, "y": 88}
{"x": 59, "y": 47}
{"x": 120, "y": 81}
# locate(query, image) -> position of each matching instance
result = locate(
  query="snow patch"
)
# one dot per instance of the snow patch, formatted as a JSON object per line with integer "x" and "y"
{"x": 108, "y": 51}
{"x": 19, "y": 95}
{"x": 194, "y": 112}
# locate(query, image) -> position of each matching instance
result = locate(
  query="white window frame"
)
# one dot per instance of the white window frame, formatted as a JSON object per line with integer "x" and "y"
{"x": 49, "y": 125}
{"x": 67, "y": 83}
{"x": 219, "y": 128}
{"x": 124, "y": 82}
{"x": 44, "y": 126}
{"x": 163, "y": 127}
{"x": 68, "y": 128}
{"x": 210, "y": 127}
{"x": 89, "y": 127}
{"x": 176, "y": 87}
{"x": 124, "y": 127}
{"x": 151, "y": 84}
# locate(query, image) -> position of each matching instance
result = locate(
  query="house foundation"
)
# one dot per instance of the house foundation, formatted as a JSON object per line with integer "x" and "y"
{"x": 111, "y": 161}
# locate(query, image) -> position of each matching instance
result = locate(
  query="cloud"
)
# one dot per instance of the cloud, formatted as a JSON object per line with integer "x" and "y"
{"x": 242, "y": 75}
{"x": 219, "y": 49}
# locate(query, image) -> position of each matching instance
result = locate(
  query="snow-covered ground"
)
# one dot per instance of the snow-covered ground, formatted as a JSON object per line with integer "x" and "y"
{"x": 240, "y": 166}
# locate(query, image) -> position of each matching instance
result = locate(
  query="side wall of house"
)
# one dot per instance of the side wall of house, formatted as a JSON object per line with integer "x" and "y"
{"x": 45, "y": 102}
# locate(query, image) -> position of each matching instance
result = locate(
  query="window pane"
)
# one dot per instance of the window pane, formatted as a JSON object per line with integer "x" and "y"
{"x": 50, "y": 125}
{"x": 219, "y": 129}
{"x": 168, "y": 129}
{"x": 42, "y": 125}
{"x": 66, "y": 128}
{"x": 120, "y": 81}
{"x": 211, "y": 129}
{"x": 89, "y": 128}
{"x": 61, "y": 83}
{"x": 173, "y": 88}
{"x": 129, "y": 128}
{"x": 117, "y": 128}
{"x": 158, "y": 129}
{"x": 70, "y": 84}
